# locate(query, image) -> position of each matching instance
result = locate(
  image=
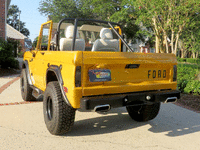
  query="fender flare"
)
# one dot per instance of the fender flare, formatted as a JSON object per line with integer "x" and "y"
{"x": 26, "y": 67}
{"x": 57, "y": 72}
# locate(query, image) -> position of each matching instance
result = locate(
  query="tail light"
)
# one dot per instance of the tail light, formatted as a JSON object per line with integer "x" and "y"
{"x": 175, "y": 73}
{"x": 78, "y": 76}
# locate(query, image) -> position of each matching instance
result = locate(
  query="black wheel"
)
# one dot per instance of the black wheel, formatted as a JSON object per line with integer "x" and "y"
{"x": 26, "y": 90}
{"x": 58, "y": 115}
{"x": 143, "y": 112}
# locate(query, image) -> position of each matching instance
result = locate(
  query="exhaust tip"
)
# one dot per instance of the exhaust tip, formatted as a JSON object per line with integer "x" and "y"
{"x": 171, "y": 100}
{"x": 102, "y": 108}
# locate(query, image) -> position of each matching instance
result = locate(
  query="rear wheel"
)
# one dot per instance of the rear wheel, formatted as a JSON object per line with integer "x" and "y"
{"x": 143, "y": 112}
{"x": 58, "y": 116}
{"x": 26, "y": 90}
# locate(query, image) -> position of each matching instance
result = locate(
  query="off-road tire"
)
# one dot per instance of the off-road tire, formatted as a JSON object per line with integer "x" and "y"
{"x": 26, "y": 90}
{"x": 58, "y": 115}
{"x": 144, "y": 112}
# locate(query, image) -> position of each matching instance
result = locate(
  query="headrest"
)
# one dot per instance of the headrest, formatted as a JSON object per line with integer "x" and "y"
{"x": 106, "y": 33}
{"x": 69, "y": 32}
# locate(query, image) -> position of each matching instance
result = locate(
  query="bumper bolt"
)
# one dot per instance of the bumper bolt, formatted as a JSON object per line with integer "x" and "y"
{"x": 148, "y": 97}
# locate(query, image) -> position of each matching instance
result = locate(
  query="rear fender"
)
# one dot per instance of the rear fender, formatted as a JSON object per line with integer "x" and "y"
{"x": 56, "y": 70}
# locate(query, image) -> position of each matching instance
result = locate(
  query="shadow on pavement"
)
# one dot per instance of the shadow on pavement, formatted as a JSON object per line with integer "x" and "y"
{"x": 115, "y": 120}
{"x": 40, "y": 99}
{"x": 172, "y": 119}
{"x": 176, "y": 122}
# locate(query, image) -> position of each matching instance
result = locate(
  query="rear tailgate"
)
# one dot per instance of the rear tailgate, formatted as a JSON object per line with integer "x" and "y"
{"x": 117, "y": 72}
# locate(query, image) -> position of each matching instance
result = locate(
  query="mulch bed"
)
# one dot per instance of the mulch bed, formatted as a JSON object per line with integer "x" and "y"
{"x": 189, "y": 101}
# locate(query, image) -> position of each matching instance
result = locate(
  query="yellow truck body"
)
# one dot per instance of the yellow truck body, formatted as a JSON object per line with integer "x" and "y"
{"x": 155, "y": 72}
{"x": 82, "y": 72}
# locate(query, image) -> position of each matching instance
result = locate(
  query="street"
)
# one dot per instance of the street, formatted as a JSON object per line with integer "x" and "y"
{"x": 22, "y": 127}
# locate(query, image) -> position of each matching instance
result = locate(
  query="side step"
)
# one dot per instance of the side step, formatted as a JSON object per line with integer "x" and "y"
{"x": 37, "y": 93}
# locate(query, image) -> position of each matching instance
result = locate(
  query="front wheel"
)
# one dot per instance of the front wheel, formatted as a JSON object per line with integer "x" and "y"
{"x": 58, "y": 116}
{"x": 143, "y": 112}
{"x": 26, "y": 90}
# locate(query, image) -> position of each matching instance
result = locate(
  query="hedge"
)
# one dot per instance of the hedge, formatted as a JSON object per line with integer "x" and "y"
{"x": 181, "y": 59}
{"x": 189, "y": 60}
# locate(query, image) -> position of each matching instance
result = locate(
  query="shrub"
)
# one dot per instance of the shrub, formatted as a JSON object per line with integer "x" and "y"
{"x": 10, "y": 62}
{"x": 5, "y": 50}
{"x": 181, "y": 59}
{"x": 185, "y": 74}
{"x": 193, "y": 87}
{"x": 187, "y": 79}
{"x": 198, "y": 61}
{"x": 7, "y": 56}
{"x": 191, "y": 60}
{"x": 16, "y": 45}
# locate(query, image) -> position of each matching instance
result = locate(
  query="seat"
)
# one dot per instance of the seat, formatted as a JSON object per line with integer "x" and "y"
{"x": 106, "y": 43}
{"x": 66, "y": 43}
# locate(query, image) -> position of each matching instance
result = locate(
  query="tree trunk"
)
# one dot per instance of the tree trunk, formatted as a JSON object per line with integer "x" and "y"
{"x": 166, "y": 43}
{"x": 193, "y": 55}
{"x": 182, "y": 53}
{"x": 197, "y": 54}
{"x": 157, "y": 44}
{"x": 172, "y": 42}
{"x": 182, "y": 48}
{"x": 156, "y": 33}
{"x": 176, "y": 44}
{"x": 185, "y": 53}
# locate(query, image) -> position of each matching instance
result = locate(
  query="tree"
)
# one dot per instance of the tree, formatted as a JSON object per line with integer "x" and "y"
{"x": 110, "y": 10}
{"x": 191, "y": 37}
{"x": 119, "y": 11}
{"x": 167, "y": 19}
{"x": 13, "y": 15}
{"x": 59, "y": 9}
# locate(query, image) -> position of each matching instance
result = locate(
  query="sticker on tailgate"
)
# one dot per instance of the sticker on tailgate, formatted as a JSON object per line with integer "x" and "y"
{"x": 99, "y": 75}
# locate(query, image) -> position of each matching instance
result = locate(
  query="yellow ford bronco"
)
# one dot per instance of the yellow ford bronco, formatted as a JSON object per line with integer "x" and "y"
{"x": 84, "y": 65}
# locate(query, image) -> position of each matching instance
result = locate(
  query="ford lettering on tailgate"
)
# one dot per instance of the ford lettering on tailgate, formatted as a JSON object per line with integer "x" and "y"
{"x": 157, "y": 73}
{"x": 99, "y": 75}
